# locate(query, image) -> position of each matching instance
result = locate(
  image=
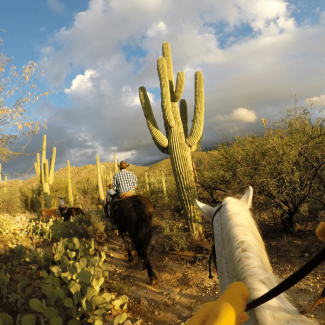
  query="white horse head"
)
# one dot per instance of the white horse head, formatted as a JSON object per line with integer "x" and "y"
{"x": 241, "y": 256}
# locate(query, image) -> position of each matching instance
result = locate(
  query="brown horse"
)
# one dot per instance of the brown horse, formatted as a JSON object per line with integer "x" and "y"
{"x": 70, "y": 212}
{"x": 133, "y": 215}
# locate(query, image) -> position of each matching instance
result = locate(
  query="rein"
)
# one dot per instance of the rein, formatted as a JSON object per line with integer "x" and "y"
{"x": 281, "y": 287}
{"x": 213, "y": 248}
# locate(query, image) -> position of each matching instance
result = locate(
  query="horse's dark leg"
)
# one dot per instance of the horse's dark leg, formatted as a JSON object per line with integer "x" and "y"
{"x": 128, "y": 247}
{"x": 151, "y": 273}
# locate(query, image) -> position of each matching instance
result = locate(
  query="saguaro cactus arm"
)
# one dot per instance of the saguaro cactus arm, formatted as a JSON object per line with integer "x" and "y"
{"x": 46, "y": 171}
{"x": 180, "y": 82}
{"x": 165, "y": 93}
{"x": 52, "y": 163}
{"x": 38, "y": 168}
{"x": 159, "y": 139}
{"x": 184, "y": 117}
{"x": 197, "y": 127}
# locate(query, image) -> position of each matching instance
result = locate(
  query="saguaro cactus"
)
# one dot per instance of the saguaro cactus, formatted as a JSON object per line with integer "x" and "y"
{"x": 177, "y": 142}
{"x": 115, "y": 164}
{"x": 99, "y": 178}
{"x": 69, "y": 184}
{"x": 45, "y": 177}
{"x": 164, "y": 186}
{"x": 147, "y": 182}
{"x": 110, "y": 175}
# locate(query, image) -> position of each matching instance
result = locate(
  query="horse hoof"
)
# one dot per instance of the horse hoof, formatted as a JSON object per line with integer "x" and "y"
{"x": 153, "y": 282}
{"x": 130, "y": 262}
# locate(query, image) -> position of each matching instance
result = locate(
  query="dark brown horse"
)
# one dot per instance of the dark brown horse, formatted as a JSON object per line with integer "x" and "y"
{"x": 70, "y": 212}
{"x": 133, "y": 215}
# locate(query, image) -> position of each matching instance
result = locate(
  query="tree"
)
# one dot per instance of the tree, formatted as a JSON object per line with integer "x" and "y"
{"x": 177, "y": 142}
{"x": 18, "y": 92}
{"x": 285, "y": 165}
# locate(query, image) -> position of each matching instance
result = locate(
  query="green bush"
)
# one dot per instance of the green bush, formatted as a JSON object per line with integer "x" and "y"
{"x": 11, "y": 201}
{"x": 173, "y": 239}
{"x": 88, "y": 226}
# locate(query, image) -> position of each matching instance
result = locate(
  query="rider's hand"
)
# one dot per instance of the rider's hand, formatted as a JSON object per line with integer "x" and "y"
{"x": 229, "y": 309}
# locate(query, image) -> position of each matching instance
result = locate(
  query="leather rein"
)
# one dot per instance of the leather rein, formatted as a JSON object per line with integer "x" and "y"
{"x": 285, "y": 284}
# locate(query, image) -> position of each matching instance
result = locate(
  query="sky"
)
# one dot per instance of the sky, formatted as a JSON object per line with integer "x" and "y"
{"x": 256, "y": 57}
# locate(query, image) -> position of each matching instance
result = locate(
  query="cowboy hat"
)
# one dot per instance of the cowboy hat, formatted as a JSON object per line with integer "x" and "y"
{"x": 60, "y": 197}
{"x": 123, "y": 164}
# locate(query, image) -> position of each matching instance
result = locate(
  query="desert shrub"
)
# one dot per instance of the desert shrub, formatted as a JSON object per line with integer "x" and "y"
{"x": 11, "y": 201}
{"x": 284, "y": 165}
{"x": 121, "y": 287}
{"x": 173, "y": 239}
{"x": 88, "y": 226}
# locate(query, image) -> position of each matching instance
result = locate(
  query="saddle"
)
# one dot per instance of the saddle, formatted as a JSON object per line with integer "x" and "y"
{"x": 127, "y": 194}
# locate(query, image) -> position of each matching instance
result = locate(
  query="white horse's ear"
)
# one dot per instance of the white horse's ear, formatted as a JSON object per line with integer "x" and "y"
{"x": 247, "y": 197}
{"x": 205, "y": 210}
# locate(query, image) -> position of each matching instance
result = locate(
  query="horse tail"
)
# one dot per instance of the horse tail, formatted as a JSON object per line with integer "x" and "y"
{"x": 143, "y": 230}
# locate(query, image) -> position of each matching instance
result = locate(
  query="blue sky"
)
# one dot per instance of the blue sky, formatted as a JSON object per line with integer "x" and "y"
{"x": 255, "y": 56}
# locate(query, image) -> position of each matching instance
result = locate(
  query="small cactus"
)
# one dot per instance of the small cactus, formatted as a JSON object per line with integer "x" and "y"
{"x": 120, "y": 319}
{"x": 36, "y": 305}
{"x": 28, "y": 320}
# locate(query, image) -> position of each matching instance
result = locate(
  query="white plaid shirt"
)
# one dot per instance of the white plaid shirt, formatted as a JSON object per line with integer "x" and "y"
{"x": 124, "y": 181}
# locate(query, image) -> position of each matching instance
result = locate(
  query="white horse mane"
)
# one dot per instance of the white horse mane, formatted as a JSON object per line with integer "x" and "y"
{"x": 241, "y": 256}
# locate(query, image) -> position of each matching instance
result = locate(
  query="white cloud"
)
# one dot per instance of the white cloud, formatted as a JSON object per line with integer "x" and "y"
{"x": 156, "y": 28}
{"x": 239, "y": 114}
{"x": 117, "y": 44}
{"x": 56, "y": 5}
{"x": 82, "y": 83}
{"x": 316, "y": 102}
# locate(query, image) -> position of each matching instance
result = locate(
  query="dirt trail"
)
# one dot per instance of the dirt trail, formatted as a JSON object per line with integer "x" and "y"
{"x": 183, "y": 284}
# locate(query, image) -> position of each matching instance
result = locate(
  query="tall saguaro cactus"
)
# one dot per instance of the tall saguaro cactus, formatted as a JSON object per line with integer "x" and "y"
{"x": 44, "y": 175}
{"x": 99, "y": 178}
{"x": 69, "y": 184}
{"x": 177, "y": 142}
{"x": 115, "y": 165}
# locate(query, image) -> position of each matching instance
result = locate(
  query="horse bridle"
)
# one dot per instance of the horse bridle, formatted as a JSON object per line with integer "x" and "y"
{"x": 285, "y": 284}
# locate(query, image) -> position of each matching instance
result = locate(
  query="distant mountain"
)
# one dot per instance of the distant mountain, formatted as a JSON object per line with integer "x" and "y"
{"x": 153, "y": 162}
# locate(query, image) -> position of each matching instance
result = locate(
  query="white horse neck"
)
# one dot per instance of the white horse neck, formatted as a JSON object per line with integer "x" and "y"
{"x": 241, "y": 256}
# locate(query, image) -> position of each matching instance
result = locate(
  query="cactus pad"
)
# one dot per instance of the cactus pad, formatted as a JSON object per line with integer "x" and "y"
{"x": 90, "y": 293}
{"x": 77, "y": 297}
{"x": 120, "y": 319}
{"x": 51, "y": 312}
{"x": 68, "y": 302}
{"x": 84, "y": 276}
{"x": 56, "y": 321}
{"x": 36, "y": 305}
{"x": 48, "y": 290}
{"x": 98, "y": 301}
{"x": 107, "y": 296}
{"x": 6, "y": 319}
{"x": 28, "y": 320}
{"x": 74, "y": 286}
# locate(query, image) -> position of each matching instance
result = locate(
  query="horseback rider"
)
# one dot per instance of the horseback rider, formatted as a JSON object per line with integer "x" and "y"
{"x": 125, "y": 183}
{"x": 61, "y": 206}
{"x": 109, "y": 196}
